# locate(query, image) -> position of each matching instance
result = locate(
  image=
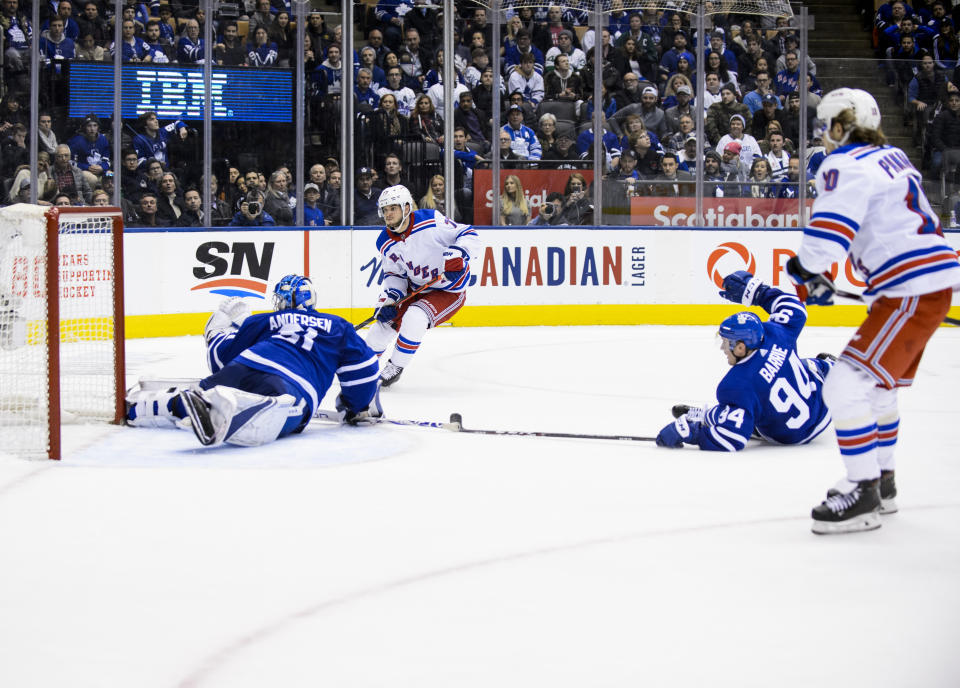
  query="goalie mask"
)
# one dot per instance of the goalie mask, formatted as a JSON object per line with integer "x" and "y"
{"x": 294, "y": 291}
{"x": 396, "y": 195}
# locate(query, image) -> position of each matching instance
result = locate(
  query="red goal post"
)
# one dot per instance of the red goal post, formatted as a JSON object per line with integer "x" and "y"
{"x": 61, "y": 323}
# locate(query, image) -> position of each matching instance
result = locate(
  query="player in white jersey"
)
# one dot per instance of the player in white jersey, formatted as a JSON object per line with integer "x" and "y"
{"x": 418, "y": 247}
{"x": 870, "y": 204}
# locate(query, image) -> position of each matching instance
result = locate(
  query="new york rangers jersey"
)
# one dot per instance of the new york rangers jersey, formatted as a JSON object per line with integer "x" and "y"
{"x": 772, "y": 390}
{"x": 416, "y": 257}
{"x": 307, "y": 349}
{"x": 870, "y": 203}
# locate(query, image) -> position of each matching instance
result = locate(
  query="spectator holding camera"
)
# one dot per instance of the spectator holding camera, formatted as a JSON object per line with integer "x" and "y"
{"x": 551, "y": 212}
{"x": 251, "y": 212}
{"x": 577, "y": 208}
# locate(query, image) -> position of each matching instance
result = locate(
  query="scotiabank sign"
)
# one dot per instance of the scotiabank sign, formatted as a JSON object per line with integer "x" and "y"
{"x": 718, "y": 212}
{"x": 537, "y": 185}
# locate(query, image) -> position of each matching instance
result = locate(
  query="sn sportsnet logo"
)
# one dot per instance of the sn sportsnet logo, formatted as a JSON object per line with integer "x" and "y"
{"x": 730, "y": 257}
{"x": 237, "y": 269}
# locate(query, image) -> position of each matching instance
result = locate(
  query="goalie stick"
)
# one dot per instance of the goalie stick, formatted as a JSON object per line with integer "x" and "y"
{"x": 857, "y": 297}
{"x": 456, "y": 425}
{"x": 406, "y": 298}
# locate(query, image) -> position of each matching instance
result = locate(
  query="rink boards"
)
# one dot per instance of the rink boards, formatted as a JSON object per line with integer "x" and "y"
{"x": 528, "y": 276}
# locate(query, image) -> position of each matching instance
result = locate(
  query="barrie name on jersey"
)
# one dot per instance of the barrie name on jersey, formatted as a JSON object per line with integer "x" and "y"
{"x": 898, "y": 247}
{"x": 771, "y": 390}
{"x": 417, "y": 255}
{"x": 305, "y": 347}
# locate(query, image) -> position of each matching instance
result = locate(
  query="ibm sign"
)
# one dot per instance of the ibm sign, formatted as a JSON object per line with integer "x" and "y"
{"x": 237, "y": 94}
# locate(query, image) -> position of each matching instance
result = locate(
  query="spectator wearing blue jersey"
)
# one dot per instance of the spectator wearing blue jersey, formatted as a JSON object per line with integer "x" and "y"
{"x": 523, "y": 46}
{"x": 368, "y": 60}
{"x": 269, "y": 373}
{"x": 17, "y": 33}
{"x": 71, "y": 29}
{"x": 133, "y": 48}
{"x": 151, "y": 144}
{"x": 610, "y": 141}
{"x": 390, "y": 15}
{"x": 190, "y": 48}
{"x": 333, "y": 68}
{"x": 55, "y": 47}
{"x": 312, "y": 215}
{"x": 91, "y": 151}
{"x": 140, "y": 12}
{"x": 261, "y": 51}
{"x": 765, "y": 370}
{"x": 366, "y": 98}
{"x": 524, "y": 142}
{"x": 788, "y": 79}
{"x": 158, "y": 50}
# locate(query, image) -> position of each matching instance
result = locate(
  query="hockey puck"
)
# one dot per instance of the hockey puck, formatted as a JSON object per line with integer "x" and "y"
{"x": 456, "y": 418}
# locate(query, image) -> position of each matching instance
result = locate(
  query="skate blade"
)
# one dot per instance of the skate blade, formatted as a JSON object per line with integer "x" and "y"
{"x": 888, "y": 506}
{"x": 857, "y": 524}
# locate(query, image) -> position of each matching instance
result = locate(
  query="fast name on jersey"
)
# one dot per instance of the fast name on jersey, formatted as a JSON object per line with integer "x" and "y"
{"x": 279, "y": 320}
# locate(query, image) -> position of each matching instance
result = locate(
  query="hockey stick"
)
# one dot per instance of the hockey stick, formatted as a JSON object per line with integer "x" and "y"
{"x": 456, "y": 425}
{"x": 401, "y": 301}
{"x": 857, "y": 297}
{"x": 337, "y": 417}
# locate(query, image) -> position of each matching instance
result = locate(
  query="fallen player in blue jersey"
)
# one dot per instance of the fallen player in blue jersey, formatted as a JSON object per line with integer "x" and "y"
{"x": 769, "y": 391}
{"x": 270, "y": 372}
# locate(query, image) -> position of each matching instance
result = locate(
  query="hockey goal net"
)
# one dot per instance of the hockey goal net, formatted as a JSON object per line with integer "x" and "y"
{"x": 61, "y": 323}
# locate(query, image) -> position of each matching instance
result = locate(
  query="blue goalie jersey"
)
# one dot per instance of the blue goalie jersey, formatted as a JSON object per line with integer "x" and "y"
{"x": 307, "y": 349}
{"x": 771, "y": 390}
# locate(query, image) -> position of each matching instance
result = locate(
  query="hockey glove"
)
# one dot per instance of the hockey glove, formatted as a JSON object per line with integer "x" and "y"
{"x": 454, "y": 263}
{"x": 228, "y": 317}
{"x": 742, "y": 287}
{"x": 364, "y": 417}
{"x": 387, "y": 305}
{"x": 679, "y": 432}
{"x": 813, "y": 289}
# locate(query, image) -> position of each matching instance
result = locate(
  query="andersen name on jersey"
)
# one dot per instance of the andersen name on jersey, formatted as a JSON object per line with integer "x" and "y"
{"x": 305, "y": 347}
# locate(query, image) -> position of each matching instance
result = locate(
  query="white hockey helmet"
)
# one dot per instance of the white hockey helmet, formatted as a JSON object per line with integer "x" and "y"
{"x": 396, "y": 195}
{"x": 864, "y": 106}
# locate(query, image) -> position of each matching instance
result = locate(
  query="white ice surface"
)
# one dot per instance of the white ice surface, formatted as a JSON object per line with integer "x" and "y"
{"x": 420, "y": 558}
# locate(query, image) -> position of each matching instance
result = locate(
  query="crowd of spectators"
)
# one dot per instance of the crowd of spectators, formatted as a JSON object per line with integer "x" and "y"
{"x": 918, "y": 49}
{"x": 651, "y": 61}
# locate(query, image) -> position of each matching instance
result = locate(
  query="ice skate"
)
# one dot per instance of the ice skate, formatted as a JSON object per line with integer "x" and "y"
{"x": 849, "y": 512}
{"x": 390, "y": 374}
{"x": 888, "y": 492}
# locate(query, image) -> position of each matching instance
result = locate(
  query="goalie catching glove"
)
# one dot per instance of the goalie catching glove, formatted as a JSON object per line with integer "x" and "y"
{"x": 228, "y": 317}
{"x": 364, "y": 417}
{"x": 812, "y": 288}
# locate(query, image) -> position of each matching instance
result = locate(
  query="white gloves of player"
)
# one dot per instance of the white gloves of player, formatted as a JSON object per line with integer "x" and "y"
{"x": 228, "y": 317}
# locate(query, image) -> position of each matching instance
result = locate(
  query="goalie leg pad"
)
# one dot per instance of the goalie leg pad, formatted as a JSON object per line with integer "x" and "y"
{"x": 241, "y": 418}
